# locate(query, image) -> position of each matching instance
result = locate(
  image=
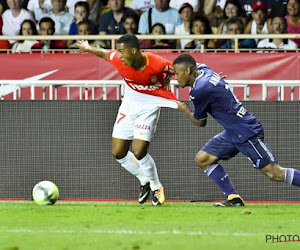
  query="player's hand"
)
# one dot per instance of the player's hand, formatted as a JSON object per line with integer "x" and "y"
{"x": 183, "y": 107}
{"x": 83, "y": 46}
{"x": 222, "y": 75}
{"x": 167, "y": 81}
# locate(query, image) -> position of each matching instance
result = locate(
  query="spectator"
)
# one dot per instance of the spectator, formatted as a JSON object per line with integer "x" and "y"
{"x": 13, "y": 18}
{"x": 161, "y": 13}
{"x": 47, "y": 28}
{"x": 131, "y": 22}
{"x": 39, "y": 8}
{"x": 186, "y": 13}
{"x": 278, "y": 27}
{"x": 141, "y": 5}
{"x": 85, "y": 28}
{"x": 82, "y": 10}
{"x": 258, "y": 24}
{"x": 4, "y": 44}
{"x": 111, "y": 22}
{"x": 247, "y": 5}
{"x": 156, "y": 29}
{"x": 1, "y": 24}
{"x": 28, "y": 28}
{"x": 62, "y": 18}
{"x": 199, "y": 26}
{"x": 293, "y": 19}
{"x": 213, "y": 10}
{"x": 235, "y": 26}
{"x": 176, "y": 4}
{"x": 95, "y": 9}
{"x": 232, "y": 9}
{"x": 4, "y": 6}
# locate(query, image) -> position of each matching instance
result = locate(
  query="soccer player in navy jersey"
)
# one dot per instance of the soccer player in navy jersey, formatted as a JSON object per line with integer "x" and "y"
{"x": 243, "y": 132}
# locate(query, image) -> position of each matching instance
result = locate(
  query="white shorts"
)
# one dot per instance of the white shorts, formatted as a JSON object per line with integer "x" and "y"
{"x": 136, "y": 121}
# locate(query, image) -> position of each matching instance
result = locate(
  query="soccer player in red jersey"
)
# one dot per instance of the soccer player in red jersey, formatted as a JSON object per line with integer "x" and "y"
{"x": 147, "y": 78}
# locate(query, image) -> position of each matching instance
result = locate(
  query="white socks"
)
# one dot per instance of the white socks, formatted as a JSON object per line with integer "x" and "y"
{"x": 131, "y": 164}
{"x": 147, "y": 164}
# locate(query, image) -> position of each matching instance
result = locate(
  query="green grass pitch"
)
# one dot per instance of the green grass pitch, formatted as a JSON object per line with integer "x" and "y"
{"x": 129, "y": 225}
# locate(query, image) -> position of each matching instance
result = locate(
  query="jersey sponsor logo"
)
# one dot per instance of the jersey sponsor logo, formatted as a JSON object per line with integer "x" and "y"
{"x": 141, "y": 126}
{"x": 169, "y": 69}
{"x": 142, "y": 87}
{"x": 192, "y": 97}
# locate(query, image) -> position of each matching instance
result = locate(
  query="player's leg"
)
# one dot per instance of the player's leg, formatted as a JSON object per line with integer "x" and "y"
{"x": 264, "y": 159}
{"x": 207, "y": 158}
{"x": 120, "y": 151}
{"x": 121, "y": 139}
{"x": 145, "y": 126}
{"x": 278, "y": 173}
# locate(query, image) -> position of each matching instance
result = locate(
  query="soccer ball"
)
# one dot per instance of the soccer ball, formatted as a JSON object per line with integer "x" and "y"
{"x": 45, "y": 193}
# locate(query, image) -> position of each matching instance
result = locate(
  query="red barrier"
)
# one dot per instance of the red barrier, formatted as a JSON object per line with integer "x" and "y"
{"x": 237, "y": 66}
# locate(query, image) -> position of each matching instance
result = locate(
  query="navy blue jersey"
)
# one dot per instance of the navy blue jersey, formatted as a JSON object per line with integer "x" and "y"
{"x": 211, "y": 94}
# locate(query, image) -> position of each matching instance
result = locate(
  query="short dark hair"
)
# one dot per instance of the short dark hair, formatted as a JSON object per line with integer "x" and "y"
{"x": 87, "y": 22}
{"x": 130, "y": 41}
{"x": 83, "y": 4}
{"x": 235, "y": 20}
{"x": 185, "y": 59}
{"x": 203, "y": 20}
{"x": 131, "y": 14}
{"x": 160, "y": 25}
{"x": 47, "y": 20}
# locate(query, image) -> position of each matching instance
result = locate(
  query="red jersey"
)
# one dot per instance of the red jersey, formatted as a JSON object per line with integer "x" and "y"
{"x": 148, "y": 81}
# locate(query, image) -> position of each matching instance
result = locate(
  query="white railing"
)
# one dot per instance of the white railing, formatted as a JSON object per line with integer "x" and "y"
{"x": 84, "y": 86}
{"x": 114, "y": 38}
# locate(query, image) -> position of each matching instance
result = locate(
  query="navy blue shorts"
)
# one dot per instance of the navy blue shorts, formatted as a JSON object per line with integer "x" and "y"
{"x": 254, "y": 148}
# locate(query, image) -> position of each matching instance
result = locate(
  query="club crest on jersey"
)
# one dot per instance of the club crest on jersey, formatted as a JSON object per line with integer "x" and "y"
{"x": 169, "y": 69}
{"x": 153, "y": 79}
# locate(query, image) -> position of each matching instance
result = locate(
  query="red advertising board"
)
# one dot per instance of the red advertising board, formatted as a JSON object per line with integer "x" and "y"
{"x": 237, "y": 66}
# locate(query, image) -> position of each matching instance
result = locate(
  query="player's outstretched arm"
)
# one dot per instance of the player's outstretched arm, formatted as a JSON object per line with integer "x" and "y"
{"x": 85, "y": 47}
{"x": 184, "y": 108}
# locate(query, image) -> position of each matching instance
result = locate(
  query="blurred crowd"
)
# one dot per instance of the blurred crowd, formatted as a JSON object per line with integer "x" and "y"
{"x": 180, "y": 17}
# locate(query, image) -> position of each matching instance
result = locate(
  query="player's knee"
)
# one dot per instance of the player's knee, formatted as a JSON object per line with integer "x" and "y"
{"x": 117, "y": 154}
{"x": 139, "y": 154}
{"x": 201, "y": 161}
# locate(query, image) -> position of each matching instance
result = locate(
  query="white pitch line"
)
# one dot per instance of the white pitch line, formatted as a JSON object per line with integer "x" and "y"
{"x": 131, "y": 232}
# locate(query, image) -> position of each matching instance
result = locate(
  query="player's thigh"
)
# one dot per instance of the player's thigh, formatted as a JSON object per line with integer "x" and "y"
{"x": 257, "y": 151}
{"x": 220, "y": 146}
{"x": 146, "y": 123}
